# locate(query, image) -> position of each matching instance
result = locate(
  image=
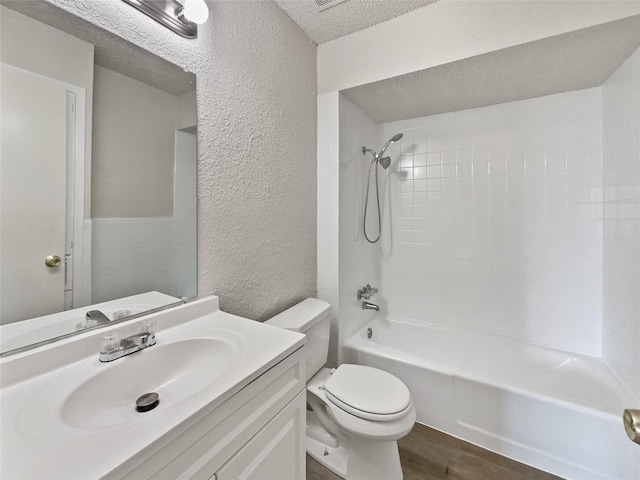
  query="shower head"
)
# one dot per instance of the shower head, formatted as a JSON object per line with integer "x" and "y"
{"x": 384, "y": 162}
{"x": 395, "y": 138}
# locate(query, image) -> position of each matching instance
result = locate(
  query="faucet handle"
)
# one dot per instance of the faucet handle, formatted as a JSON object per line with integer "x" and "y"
{"x": 110, "y": 342}
{"x": 366, "y": 292}
{"x": 148, "y": 326}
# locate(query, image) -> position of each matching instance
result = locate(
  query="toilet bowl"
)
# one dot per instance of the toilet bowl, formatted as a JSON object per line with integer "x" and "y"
{"x": 355, "y": 413}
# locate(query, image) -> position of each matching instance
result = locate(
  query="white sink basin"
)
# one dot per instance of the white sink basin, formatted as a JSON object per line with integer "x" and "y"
{"x": 174, "y": 371}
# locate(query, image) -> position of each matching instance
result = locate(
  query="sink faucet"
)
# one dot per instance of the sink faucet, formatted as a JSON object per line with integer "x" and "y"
{"x": 112, "y": 348}
{"x": 97, "y": 316}
{"x": 370, "y": 306}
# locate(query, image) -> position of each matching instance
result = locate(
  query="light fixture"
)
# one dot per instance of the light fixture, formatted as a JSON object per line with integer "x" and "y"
{"x": 195, "y": 11}
{"x": 182, "y": 17}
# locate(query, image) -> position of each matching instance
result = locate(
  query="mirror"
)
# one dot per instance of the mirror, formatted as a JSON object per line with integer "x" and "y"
{"x": 98, "y": 176}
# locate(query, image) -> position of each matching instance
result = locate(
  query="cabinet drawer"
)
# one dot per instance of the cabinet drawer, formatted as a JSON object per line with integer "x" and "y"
{"x": 277, "y": 452}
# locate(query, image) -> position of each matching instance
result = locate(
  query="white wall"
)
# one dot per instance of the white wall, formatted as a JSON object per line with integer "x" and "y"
{"x": 358, "y": 259}
{"x": 185, "y": 213}
{"x": 328, "y": 193}
{"x": 451, "y": 30}
{"x": 494, "y": 220}
{"x": 42, "y": 49}
{"x": 142, "y": 254}
{"x": 256, "y": 92}
{"x": 133, "y": 148}
{"x": 187, "y": 110}
{"x": 621, "y": 262}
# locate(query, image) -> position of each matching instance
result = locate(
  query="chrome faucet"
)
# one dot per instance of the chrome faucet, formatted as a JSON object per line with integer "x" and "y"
{"x": 112, "y": 348}
{"x": 96, "y": 316}
{"x": 370, "y": 306}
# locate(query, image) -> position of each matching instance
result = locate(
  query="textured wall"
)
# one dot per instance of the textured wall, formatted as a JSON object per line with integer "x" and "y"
{"x": 256, "y": 146}
{"x": 449, "y": 31}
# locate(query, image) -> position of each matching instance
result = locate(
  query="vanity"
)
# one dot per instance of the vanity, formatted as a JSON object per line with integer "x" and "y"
{"x": 231, "y": 402}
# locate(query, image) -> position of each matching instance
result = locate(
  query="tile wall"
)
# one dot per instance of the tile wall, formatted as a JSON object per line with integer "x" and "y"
{"x": 129, "y": 256}
{"x": 493, "y": 220}
{"x": 621, "y": 255}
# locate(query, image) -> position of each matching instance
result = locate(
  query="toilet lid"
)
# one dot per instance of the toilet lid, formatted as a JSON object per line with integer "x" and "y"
{"x": 367, "y": 392}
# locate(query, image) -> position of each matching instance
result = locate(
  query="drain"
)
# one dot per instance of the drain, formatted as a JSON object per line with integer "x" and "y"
{"x": 369, "y": 333}
{"x": 147, "y": 402}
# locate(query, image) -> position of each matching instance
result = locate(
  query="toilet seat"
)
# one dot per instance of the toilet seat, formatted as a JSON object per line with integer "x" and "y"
{"x": 368, "y": 393}
{"x": 356, "y": 425}
{"x": 361, "y": 427}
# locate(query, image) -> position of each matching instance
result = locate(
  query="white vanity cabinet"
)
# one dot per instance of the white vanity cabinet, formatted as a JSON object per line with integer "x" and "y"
{"x": 274, "y": 451}
{"x": 258, "y": 433}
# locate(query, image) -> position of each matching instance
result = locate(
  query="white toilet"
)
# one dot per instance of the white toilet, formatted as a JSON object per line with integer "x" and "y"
{"x": 355, "y": 414}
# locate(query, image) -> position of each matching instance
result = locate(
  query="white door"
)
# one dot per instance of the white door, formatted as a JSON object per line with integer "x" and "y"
{"x": 33, "y": 180}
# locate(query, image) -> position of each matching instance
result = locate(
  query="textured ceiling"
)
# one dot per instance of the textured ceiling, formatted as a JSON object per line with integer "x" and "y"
{"x": 345, "y": 18}
{"x": 111, "y": 51}
{"x": 573, "y": 61}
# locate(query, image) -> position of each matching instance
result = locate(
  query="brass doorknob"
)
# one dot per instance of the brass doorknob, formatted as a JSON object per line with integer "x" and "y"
{"x": 631, "y": 419}
{"x": 53, "y": 261}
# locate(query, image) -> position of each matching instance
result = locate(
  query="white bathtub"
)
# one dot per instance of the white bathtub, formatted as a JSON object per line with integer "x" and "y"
{"x": 557, "y": 411}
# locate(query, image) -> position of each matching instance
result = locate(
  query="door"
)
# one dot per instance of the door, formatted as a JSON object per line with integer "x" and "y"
{"x": 33, "y": 177}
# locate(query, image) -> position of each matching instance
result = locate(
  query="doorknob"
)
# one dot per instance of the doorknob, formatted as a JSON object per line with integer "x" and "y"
{"x": 631, "y": 419}
{"x": 53, "y": 261}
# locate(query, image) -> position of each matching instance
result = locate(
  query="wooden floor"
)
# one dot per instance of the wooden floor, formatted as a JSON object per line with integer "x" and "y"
{"x": 427, "y": 454}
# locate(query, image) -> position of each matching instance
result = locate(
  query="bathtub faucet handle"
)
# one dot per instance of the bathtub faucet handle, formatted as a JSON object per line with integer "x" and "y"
{"x": 367, "y": 292}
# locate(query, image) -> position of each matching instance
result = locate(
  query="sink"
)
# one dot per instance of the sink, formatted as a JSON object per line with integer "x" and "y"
{"x": 59, "y": 403}
{"x": 174, "y": 371}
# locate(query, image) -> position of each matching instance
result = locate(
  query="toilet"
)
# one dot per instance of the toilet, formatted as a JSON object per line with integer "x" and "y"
{"x": 355, "y": 413}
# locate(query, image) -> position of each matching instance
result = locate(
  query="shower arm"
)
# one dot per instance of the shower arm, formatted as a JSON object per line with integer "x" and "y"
{"x": 377, "y": 156}
{"x": 365, "y": 150}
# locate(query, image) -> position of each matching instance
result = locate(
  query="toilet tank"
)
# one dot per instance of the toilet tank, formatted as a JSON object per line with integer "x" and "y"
{"x": 313, "y": 318}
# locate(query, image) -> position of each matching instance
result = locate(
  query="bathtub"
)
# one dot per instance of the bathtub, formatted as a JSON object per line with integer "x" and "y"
{"x": 557, "y": 411}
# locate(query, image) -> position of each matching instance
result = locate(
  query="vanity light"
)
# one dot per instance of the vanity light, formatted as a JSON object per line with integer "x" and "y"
{"x": 195, "y": 11}
{"x": 181, "y": 16}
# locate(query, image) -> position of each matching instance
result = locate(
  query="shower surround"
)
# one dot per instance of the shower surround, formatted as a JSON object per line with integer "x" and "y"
{"x": 494, "y": 221}
{"x": 518, "y": 221}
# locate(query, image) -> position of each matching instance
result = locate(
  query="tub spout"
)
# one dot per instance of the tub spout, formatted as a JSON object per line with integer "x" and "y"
{"x": 370, "y": 306}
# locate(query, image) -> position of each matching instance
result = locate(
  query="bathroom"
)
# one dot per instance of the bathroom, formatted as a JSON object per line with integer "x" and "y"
{"x": 281, "y": 193}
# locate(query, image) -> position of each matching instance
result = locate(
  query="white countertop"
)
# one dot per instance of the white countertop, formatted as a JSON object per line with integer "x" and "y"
{"x": 39, "y": 441}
